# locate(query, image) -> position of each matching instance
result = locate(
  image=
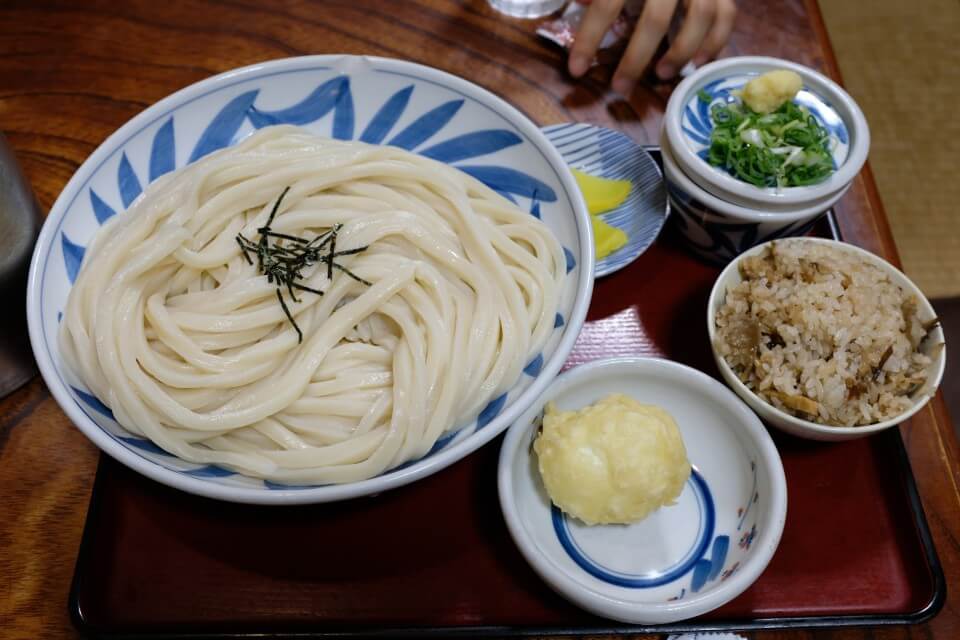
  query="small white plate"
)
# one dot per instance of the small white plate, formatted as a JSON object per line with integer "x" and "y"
{"x": 609, "y": 154}
{"x": 682, "y": 560}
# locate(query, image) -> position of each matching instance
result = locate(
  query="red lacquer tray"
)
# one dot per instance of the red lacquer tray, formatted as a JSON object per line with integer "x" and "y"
{"x": 435, "y": 557}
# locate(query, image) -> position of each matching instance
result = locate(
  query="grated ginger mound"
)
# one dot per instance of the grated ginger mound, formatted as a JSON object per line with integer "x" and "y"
{"x": 612, "y": 462}
{"x": 766, "y": 93}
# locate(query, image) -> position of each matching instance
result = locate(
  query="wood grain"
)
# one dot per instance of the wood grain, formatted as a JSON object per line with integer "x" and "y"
{"x": 71, "y": 73}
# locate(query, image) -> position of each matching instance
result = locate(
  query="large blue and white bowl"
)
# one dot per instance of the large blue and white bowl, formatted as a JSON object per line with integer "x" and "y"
{"x": 374, "y": 100}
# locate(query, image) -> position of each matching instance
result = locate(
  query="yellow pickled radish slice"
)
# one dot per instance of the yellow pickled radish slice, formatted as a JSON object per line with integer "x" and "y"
{"x": 606, "y": 238}
{"x": 601, "y": 194}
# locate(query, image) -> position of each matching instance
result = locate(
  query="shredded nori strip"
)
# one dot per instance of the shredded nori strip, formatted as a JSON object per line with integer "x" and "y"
{"x": 284, "y": 264}
{"x": 289, "y": 316}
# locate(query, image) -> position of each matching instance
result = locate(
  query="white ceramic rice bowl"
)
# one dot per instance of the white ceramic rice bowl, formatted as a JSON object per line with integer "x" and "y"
{"x": 730, "y": 277}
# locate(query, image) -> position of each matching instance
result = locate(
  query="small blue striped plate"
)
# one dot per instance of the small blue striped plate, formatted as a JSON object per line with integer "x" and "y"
{"x": 610, "y": 154}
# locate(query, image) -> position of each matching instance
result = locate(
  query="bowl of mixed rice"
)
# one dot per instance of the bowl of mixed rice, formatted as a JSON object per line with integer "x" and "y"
{"x": 824, "y": 340}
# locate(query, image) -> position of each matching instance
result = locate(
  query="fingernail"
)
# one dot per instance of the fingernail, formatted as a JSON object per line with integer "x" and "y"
{"x": 623, "y": 86}
{"x": 665, "y": 70}
{"x": 578, "y": 65}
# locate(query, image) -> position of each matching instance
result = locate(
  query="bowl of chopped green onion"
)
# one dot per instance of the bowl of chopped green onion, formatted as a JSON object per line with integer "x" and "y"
{"x": 718, "y": 230}
{"x": 766, "y": 134}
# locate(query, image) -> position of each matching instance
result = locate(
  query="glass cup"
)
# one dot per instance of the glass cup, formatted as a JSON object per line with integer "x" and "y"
{"x": 526, "y": 8}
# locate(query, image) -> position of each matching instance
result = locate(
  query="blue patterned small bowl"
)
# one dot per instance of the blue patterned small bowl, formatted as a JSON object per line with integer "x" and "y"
{"x": 682, "y": 560}
{"x": 719, "y": 231}
{"x": 687, "y": 126}
{"x": 374, "y": 100}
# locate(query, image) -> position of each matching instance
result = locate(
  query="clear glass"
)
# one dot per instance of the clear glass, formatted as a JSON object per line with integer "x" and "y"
{"x": 526, "y": 8}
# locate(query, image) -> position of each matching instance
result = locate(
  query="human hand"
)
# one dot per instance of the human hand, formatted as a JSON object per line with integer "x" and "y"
{"x": 706, "y": 28}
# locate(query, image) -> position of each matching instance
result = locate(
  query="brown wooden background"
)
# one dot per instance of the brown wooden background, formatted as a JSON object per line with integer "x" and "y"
{"x": 72, "y": 72}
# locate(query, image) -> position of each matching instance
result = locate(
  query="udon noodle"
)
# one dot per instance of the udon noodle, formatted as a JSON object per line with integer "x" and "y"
{"x": 443, "y": 290}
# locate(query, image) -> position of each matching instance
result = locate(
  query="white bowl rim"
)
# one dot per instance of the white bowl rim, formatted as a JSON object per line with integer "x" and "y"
{"x": 805, "y": 425}
{"x": 857, "y": 126}
{"x": 768, "y": 540}
{"x": 673, "y": 172}
{"x": 329, "y": 493}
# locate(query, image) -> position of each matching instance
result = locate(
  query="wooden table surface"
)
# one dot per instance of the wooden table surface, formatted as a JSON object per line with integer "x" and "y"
{"x": 73, "y": 72}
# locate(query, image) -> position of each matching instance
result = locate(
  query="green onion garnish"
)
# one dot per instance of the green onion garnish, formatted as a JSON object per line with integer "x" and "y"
{"x": 786, "y": 148}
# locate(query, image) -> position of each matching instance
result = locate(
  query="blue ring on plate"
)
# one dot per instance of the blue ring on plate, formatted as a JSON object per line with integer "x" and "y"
{"x": 684, "y": 565}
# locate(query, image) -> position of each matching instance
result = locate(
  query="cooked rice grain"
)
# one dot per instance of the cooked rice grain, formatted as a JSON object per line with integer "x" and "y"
{"x": 822, "y": 334}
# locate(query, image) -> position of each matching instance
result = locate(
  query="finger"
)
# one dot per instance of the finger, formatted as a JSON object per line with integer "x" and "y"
{"x": 719, "y": 32}
{"x": 653, "y": 23}
{"x": 696, "y": 24}
{"x": 596, "y": 21}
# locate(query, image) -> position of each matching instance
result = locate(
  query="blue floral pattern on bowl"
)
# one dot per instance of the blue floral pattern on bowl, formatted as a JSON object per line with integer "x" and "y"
{"x": 697, "y": 125}
{"x": 721, "y": 564}
{"x": 353, "y": 99}
{"x": 718, "y": 239}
